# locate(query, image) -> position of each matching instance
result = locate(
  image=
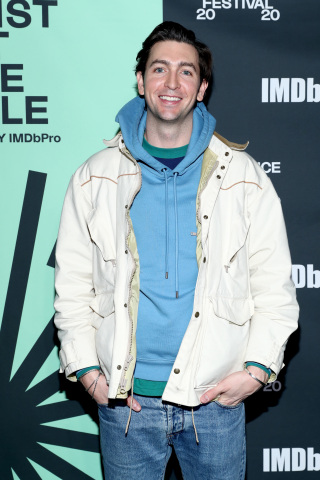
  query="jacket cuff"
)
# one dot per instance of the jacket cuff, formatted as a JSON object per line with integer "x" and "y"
{"x": 80, "y": 373}
{"x": 259, "y": 365}
{"x": 73, "y": 358}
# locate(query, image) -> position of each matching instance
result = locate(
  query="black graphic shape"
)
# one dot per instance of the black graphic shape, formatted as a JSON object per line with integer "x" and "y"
{"x": 21, "y": 267}
{"x": 51, "y": 261}
{"x": 21, "y": 418}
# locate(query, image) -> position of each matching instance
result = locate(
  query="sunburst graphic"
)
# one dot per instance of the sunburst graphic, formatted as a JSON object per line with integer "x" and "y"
{"x": 42, "y": 438}
{"x": 30, "y": 449}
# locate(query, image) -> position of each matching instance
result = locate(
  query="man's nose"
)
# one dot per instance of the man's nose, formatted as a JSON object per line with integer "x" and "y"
{"x": 172, "y": 81}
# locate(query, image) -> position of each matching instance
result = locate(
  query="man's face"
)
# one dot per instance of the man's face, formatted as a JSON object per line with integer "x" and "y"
{"x": 171, "y": 82}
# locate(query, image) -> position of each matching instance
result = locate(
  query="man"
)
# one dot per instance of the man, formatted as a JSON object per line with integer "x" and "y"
{"x": 173, "y": 283}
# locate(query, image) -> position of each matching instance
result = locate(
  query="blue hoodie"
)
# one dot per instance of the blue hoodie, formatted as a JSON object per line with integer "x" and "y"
{"x": 164, "y": 222}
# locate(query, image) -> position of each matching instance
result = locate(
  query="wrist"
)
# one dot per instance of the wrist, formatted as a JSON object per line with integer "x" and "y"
{"x": 88, "y": 378}
{"x": 263, "y": 367}
{"x": 90, "y": 381}
{"x": 258, "y": 374}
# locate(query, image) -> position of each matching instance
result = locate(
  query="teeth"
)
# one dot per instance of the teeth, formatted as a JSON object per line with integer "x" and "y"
{"x": 172, "y": 99}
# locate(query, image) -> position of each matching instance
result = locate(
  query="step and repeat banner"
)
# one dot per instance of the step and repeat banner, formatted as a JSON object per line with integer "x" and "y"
{"x": 266, "y": 90}
{"x": 66, "y": 68}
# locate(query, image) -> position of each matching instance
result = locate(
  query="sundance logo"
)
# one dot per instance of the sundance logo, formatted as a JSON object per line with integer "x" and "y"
{"x": 290, "y": 460}
{"x": 271, "y": 167}
{"x": 295, "y": 90}
{"x": 305, "y": 276}
{"x": 209, "y": 8}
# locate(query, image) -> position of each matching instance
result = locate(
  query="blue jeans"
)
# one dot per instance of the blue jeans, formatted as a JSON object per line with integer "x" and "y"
{"x": 144, "y": 453}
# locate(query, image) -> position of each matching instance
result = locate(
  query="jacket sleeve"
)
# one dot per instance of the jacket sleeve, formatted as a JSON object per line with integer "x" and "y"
{"x": 275, "y": 307}
{"x": 73, "y": 282}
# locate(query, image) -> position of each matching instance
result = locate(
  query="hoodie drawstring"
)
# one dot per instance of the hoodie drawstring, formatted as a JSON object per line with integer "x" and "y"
{"x": 175, "y": 175}
{"x": 167, "y": 221}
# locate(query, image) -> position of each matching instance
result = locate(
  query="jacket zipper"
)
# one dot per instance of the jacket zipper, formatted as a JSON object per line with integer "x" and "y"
{"x": 215, "y": 166}
{"x": 129, "y": 356}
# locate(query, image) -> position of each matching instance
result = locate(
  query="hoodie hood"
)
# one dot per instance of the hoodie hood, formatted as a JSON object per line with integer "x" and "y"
{"x": 132, "y": 120}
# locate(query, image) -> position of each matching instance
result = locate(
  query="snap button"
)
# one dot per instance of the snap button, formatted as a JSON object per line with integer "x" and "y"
{"x": 126, "y": 206}
{"x": 205, "y": 217}
{"x": 227, "y": 154}
{"x": 119, "y": 367}
{"x": 222, "y": 167}
{"x": 218, "y": 177}
{"x": 197, "y": 314}
{"x": 125, "y": 305}
{"x": 122, "y": 390}
{"x": 204, "y": 260}
{"x": 126, "y": 251}
{"x": 176, "y": 370}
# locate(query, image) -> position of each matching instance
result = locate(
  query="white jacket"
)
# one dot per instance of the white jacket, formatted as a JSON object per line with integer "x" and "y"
{"x": 244, "y": 306}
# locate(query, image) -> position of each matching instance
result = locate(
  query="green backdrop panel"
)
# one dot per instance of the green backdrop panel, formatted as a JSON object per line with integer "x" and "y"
{"x": 66, "y": 68}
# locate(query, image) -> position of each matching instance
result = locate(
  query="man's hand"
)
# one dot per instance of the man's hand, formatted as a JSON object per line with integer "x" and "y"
{"x": 236, "y": 387}
{"x": 101, "y": 390}
{"x": 135, "y": 405}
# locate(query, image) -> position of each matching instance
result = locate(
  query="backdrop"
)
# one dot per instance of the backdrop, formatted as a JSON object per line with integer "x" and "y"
{"x": 65, "y": 70}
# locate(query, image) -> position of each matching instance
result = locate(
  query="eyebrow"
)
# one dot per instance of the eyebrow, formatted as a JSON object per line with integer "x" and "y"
{"x": 180, "y": 64}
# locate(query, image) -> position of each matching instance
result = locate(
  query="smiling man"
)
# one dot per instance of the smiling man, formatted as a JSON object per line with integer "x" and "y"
{"x": 174, "y": 298}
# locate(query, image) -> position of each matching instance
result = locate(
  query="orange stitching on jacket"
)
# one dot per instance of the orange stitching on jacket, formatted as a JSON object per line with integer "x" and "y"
{"x": 125, "y": 174}
{"x": 95, "y": 176}
{"x": 243, "y": 181}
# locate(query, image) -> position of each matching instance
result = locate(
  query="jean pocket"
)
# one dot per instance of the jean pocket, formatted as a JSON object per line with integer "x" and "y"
{"x": 228, "y": 407}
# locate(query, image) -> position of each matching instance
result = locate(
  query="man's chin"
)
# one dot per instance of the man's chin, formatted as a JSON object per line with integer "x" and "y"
{"x": 171, "y": 117}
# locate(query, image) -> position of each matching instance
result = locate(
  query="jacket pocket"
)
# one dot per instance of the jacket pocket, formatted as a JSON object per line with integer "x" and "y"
{"x": 223, "y": 342}
{"x": 102, "y": 305}
{"x": 234, "y": 280}
{"x": 104, "y": 255}
{"x": 104, "y": 323}
{"x": 102, "y": 233}
{"x": 234, "y": 310}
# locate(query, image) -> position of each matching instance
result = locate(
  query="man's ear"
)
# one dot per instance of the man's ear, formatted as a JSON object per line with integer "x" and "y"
{"x": 202, "y": 90}
{"x": 140, "y": 83}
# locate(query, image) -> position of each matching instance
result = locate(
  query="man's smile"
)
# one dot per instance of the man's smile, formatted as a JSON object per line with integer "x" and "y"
{"x": 169, "y": 99}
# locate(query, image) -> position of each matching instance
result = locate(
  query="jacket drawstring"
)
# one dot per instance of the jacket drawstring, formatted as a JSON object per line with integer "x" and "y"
{"x": 175, "y": 175}
{"x": 130, "y": 411}
{"x": 194, "y": 427}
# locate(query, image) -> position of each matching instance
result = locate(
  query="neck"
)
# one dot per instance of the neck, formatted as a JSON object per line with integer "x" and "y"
{"x": 166, "y": 134}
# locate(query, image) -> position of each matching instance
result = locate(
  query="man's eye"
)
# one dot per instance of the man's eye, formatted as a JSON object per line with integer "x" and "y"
{"x": 159, "y": 70}
{"x": 186, "y": 72}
